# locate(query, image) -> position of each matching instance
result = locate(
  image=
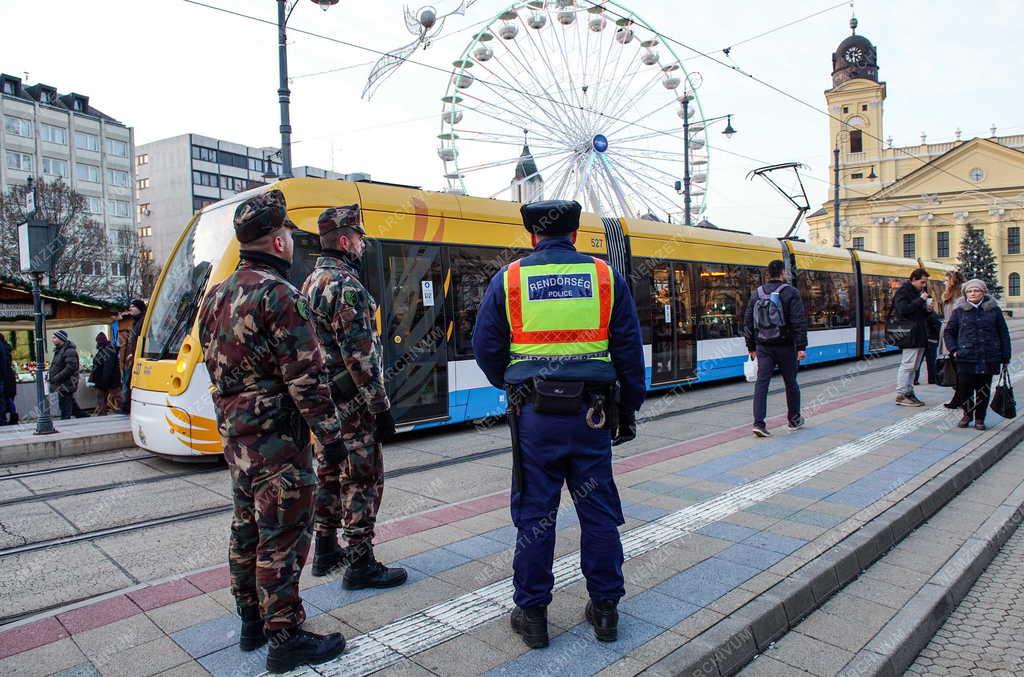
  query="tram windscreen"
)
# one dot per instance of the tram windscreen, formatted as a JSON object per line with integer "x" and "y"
{"x": 173, "y": 308}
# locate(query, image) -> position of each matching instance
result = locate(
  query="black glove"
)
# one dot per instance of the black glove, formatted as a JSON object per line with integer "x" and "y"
{"x": 385, "y": 424}
{"x": 335, "y": 452}
{"x": 627, "y": 428}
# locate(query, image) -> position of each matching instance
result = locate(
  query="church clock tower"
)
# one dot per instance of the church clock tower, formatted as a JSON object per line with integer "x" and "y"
{"x": 855, "y": 126}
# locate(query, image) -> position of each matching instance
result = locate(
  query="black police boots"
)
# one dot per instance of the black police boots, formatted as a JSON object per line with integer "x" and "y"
{"x": 532, "y": 624}
{"x": 605, "y": 619}
{"x": 291, "y": 648}
{"x": 328, "y": 555}
{"x": 251, "y": 637}
{"x": 366, "y": 572}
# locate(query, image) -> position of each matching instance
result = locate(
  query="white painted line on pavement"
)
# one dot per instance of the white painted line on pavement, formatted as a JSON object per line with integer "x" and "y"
{"x": 437, "y": 624}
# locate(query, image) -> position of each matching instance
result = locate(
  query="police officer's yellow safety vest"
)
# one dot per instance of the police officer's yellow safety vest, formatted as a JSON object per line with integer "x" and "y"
{"x": 559, "y": 311}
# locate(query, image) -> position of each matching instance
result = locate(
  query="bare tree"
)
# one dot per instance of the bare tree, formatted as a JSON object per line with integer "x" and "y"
{"x": 132, "y": 268}
{"x": 77, "y": 267}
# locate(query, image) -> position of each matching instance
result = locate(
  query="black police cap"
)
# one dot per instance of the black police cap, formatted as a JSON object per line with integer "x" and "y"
{"x": 552, "y": 217}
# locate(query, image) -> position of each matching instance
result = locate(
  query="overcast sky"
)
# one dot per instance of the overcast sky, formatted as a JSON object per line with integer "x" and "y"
{"x": 167, "y": 67}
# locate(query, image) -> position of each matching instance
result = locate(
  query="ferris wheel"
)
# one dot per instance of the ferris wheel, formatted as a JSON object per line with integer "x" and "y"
{"x": 573, "y": 99}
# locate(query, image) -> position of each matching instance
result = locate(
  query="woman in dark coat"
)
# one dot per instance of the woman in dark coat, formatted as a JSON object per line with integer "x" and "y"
{"x": 979, "y": 341}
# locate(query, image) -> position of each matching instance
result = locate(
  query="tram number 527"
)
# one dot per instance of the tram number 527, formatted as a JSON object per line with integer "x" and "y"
{"x": 596, "y": 242}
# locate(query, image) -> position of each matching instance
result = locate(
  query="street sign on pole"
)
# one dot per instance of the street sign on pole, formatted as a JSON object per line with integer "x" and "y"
{"x": 30, "y": 203}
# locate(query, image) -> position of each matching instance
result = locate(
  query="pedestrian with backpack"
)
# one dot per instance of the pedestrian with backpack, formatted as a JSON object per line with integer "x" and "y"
{"x": 775, "y": 329}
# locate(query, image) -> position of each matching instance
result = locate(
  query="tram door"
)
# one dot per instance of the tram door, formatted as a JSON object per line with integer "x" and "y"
{"x": 673, "y": 341}
{"x": 413, "y": 331}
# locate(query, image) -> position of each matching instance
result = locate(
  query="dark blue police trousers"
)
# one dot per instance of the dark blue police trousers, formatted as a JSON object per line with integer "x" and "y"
{"x": 559, "y": 450}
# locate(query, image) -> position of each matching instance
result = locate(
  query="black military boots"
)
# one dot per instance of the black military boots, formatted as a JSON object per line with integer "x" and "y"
{"x": 328, "y": 555}
{"x": 604, "y": 617}
{"x": 251, "y": 637}
{"x": 532, "y": 624}
{"x": 291, "y": 648}
{"x": 366, "y": 572}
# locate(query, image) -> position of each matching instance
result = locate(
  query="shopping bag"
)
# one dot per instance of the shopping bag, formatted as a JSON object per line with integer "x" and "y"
{"x": 1003, "y": 402}
{"x": 750, "y": 370}
{"x": 945, "y": 372}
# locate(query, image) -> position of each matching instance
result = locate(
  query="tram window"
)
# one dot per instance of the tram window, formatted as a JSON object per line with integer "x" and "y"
{"x": 828, "y": 298}
{"x": 472, "y": 269}
{"x": 640, "y": 276}
{"x": 724, "y": 293}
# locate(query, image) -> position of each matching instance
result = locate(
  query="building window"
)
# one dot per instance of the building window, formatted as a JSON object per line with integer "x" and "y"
{"x": 856, "y": 141}
{"x": 203, "y": 153}
{"x": 118, "y": 177}
{"x": 142, "y": 184}
{"x": 201, "y": 202}
{"x": 9, "y": 87}
{"x": 54, "y": 134}
{"x": 84, "y": 172}
{"x": 909, "y": 246}
{"x": 86, "y": 141}
{"x": 16, "y": 160}
{"x": 143, "y": 210}
{"x": 78, "y": 106}
{"x": 121, "y": 208}
{"x": 1014, "y": 284}
{"x": 142, "y": 159}
{"x": 55, "y": 167}
{"x": 93, "y": 205}
{"x": 234, "y": 183}
{"x": 942, "y": 244}
{"x": 124, "y": 238}
{"x": 18, "y": 126}
{"x": 857, "y": 175}
{"x": 858, "y": 243}
{"x": 846, "y": 109}
{"x": 205, "y": 179}
{"x": 863, "y": 106}
{"x": 255, "y": 164}
{"x": 146, "y": 231}
{"x": 117, "y": 148}
{"x": 92, "y": 268}
{"x": 1013, "y": 240}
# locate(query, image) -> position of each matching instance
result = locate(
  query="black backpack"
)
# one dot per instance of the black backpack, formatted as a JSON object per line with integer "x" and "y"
{"x": 769, "y": 317}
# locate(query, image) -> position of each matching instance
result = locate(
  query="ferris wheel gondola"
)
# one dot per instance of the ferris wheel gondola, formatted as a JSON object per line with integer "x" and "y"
{"x": 585, "y": 97}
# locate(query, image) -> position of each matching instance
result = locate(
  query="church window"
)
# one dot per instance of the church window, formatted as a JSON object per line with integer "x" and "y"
{"x": 846, "y": 109}
{"x": 857, "y": 175}
{"x": 942, "y": 244}
{"x": 1014, "y": 284}
{"x": 858, "y": 243}
{"x": 1013, "y": 240}
{"x": 909, "y": 246}
{"x": 863, "y": 106}
{"x": 856, "y": 141}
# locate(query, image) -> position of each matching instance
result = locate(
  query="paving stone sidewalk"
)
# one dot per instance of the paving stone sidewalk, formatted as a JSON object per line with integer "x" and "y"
{"x": 985, "y": 635}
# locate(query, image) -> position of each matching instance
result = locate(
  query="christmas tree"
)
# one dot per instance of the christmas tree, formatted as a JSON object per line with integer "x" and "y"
{"x": 978, "y": 262}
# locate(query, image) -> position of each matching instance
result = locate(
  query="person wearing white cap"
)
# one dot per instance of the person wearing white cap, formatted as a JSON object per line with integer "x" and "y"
{"x": 979, "y": 341}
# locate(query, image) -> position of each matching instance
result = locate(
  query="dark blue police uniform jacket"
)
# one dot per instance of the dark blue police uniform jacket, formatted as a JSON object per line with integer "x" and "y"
{"x": 559, "y": 450}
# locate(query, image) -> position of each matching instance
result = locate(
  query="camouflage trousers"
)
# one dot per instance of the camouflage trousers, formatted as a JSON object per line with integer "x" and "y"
{"x": 270, "y": 537}
{"x": 349, "y": 493}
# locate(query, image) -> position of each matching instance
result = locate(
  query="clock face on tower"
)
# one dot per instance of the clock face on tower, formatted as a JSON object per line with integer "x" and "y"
{"x": 853, "y": 55}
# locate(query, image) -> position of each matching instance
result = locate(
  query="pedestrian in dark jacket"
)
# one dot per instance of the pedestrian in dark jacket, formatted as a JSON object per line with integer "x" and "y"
{"x": 105, "y": 376}
{"x": 783, "y": 351}
{"x": 931, "y": 350}
{"x": 912, "y": 303}
{"x": 8, "y": 384}
{"x": 979, "y": 341}
{"x": 135, "y": 314}
{"x": 64, "y": 375}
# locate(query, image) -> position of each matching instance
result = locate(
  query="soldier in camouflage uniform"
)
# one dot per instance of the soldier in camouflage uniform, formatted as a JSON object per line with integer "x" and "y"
{"x": 268, "y": 385}
{"x": 349, "y": 492}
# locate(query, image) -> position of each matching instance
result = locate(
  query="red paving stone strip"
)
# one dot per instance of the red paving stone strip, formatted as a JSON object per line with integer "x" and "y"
{"x": 163, "y": 594}
{"x": 30, "y": 636}
{"x": 145, "y": 599}
{"x": 101, "y": 613}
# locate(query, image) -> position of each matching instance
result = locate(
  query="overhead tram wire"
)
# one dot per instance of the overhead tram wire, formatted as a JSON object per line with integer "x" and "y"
{"x": 673, "y": 134}
{"x": 779, "y": 90}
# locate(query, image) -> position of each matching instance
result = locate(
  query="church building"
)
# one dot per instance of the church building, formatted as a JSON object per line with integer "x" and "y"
{"x": 915, "y": 201}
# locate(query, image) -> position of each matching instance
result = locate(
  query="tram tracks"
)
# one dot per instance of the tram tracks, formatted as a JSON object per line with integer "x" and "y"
{"x": 85, "y": 536}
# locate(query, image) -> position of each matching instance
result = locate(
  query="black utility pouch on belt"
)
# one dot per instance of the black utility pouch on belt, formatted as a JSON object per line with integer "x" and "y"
{"x": 563, "y": 398}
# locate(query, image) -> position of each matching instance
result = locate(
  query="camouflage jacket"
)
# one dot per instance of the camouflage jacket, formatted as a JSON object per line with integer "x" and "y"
{"x": 265, "y": 365}
{"x": 347, "y": 326}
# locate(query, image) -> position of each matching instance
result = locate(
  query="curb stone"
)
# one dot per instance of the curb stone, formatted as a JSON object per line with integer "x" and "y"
{"x": 716, "y": 653}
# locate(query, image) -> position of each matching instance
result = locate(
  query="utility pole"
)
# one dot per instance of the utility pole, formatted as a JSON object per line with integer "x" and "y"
{"x": 835, "y": 196}
{"x": 687, "y": 219}
{"x": 283, "y": 93}
{"x": 44, "y": 423}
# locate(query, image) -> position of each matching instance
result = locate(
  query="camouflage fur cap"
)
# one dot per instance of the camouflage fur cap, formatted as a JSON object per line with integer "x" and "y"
{"x": 345, "y": 216}
{"x": 261, "y": 215}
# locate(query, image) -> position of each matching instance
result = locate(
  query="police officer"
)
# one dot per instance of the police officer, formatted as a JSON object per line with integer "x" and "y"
{"x": 268, "y": 385}
{"x": 349, "y": 492}
{"x": 557, "y": 329}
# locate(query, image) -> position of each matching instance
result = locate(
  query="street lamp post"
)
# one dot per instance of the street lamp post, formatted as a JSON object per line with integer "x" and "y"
{"x": 284, "y": 94}
{"x": 729, "y": 131}
{"x": 44, "y": 422}
{"x": 841, "y": 135}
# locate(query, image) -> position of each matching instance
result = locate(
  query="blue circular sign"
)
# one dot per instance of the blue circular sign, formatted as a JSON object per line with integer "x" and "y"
{"x": 600, "y": 143}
